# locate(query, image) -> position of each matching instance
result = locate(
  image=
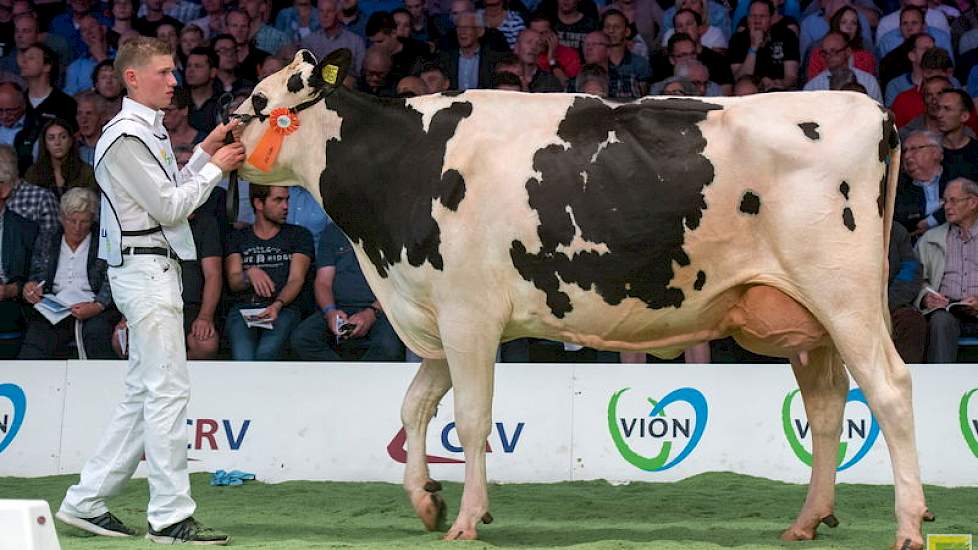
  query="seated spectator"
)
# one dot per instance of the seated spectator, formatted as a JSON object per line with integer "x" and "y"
{"x": 922, "y": 183}
{"x": 299, "y": 20}
{"x": 490, "y": 38}
{"x": 176, "y": 120}
{"x": 402, "y": 23}
{"x": 171, "y": 37}
{"x": 888, "y": 38}
{"x": 946, "y": 274}
{"x": 305, "y": 211}
{"x": 845, "y": 21}
{"x": 123, "y": 14}
{"x": 200, "y": 78}
{"x": 108, "y": 87}
{"x": 914, "y": 76}
{"x": 905, "y": 282}
{"x": 689, "y": 22}
{"x": 629, "y": 74}
{"x": 746, "y": 85}
{"x": 407, "y": 54}
{"x": 72, "y": 268}
{"x": 713, "y": 14}
{"x": 768, "y": 53}
{"x": 678, "y": 86}
{"x": 247, "y": 54}
{"x": 17, "y": 235}
{"x": 424, "y": 26}
{"x": 910, "y": 103}
{"x": 470, "y": 64}
{"x": 683, "y": 47}
{"x": 183, "y": 11}
{"x": 203, "y": 280}
{"x": 593, "y": 79}
{"x": 34, "y": 203}
{"x": 693, "y": 72}
{"x": 212, "y": 21}
{"x": 12, "y": 112}
{"x": 79, "y": 76}
{"x": 59, "y": 167}
{"x": 646, "y": 18}
{"x": 376, "y": 79}
{"x": 411, "y": 86}
{"x": 332, "y": 36}
{"x": 835, "y": 49}
{"x": 342, "y": 293}
{"x": 152, "y": 17}
{"x": 228, "y": 75}
{"x": 559, "y": 60}
{"x": 91, "y": 117}
{"x": 191, "y": 37}
{"x": 529, "y": 44}
{"x": 496, "y": 15}
{"x": 932, "y": 89}
{"x": 954, "y": 109}
{"x": 269, "y": 66}
{"x": 435, "y": 78}
{"x": 39, "y": 67}
{"x": 507, "y": 80}
{"x": 573, "y": 24}
{"x": 266, "y": 268}
{"x": 897, "y": 63}
{"x": 264, "y": 36}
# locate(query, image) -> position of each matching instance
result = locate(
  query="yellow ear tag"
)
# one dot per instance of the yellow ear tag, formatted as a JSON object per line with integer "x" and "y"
{"x": 330, "y": 72}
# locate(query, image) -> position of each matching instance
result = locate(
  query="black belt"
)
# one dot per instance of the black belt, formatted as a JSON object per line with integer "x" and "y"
{"x": 155, "y": 250}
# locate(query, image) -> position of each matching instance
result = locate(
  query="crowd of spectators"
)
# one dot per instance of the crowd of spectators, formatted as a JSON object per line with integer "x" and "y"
{"x": 919, "y": 58}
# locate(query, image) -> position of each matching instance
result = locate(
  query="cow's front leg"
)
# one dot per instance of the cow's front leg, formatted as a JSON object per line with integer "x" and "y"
{"x": 824, "y": 386}
{"x": 422, "y": 398}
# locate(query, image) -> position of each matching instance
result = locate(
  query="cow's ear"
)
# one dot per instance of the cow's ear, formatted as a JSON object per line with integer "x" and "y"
{"x": 331, "y": 71}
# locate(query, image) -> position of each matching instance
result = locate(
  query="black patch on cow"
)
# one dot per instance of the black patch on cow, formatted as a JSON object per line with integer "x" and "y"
{"x": 750, "y": 203}
{"x": 891, "y": 136}
{"x": 451, "y": 93}
{"x": 810, "y": 129}
{"x": 882, "y": 198}
{"x": 383, "y": 173}
{"x": 848, "y": 219}
{"x": 308, "y": 57}
{"x": 844, "y": 189}
{"x": 295, "y": 83}
{"x": 700, "y": 280}
{"x": 638, "y": 198}
{"x": 259, "y": 102}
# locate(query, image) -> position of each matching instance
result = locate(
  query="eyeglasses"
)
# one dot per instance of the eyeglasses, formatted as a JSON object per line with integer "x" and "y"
{"x": 956, "y": 200}
{"x": 913, "y": 148}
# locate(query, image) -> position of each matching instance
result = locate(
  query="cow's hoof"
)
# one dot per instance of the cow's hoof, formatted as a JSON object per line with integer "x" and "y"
{"x": 831, "y": 521}
{"x": 929, "y": 516}
{"x": 907, "y": 544}
{"x": 432, "y": 486}
{"x": 431, "y": 509}
{"x": 487, "y": 518}
{"x": 794, "y": 533}
{"x": 456, "y": 533}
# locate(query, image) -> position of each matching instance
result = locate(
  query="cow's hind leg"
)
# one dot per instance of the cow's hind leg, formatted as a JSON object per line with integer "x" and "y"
{"x": 824, "y": 386}
{"x": 422, "y": 398}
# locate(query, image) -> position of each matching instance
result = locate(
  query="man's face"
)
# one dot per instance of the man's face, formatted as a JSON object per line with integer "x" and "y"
{"x": 25, "y": 32}
{"x": 921, "y": 158}
{"x": 174, "y": 117}
{"x": 951, "y": 115}
{"x": 616, "y": 28}
{"x": 255, "y": 8}
{"x": 153, "y": 5}
{"x": 88, "y": 118}
{"x": 107, "y": 83}
{"x": 328, "y": 12}
{"x": 152, "y": 83}
{"x": 190, "y": 40}
{"x": 700, "y": 78}
{"x": 402, "y": 22}
{"x": 435, "y": 81}
{"x": 212, "y": 6}
{"x": 275, "y": 207}
{"x": 542, "y": 27}
{"x": 685, "y": 22}
{"x": 92, "y": 32}
{"x": 238, "y": 27}
{"x": 387, "y": 41}
{"x": 959, "y": 205}
{"x": 759, "y": 18}
{"x": 567, "y": 6}
{"x": 910, "y": 24}
{"x": 528, "y": 46}
{"x": 682, "y": 50}
{"x": 6, "y": 10}
{"x": 835, "y": 51}
{"x": 595, "y": 47}
{"x": 11, "y": 106}
{"x": 227, "y": 54}
{"x": 468, "y": 32}
{"x": 375, "y": 71}
{"x": 79, "y": 6}
{"x": 932, "y": 92}
{"x": 31, "y": 62}
{"x": 416, "y": 9}
{"x": 6, "y": 189}
{"x": 122, "y": 9}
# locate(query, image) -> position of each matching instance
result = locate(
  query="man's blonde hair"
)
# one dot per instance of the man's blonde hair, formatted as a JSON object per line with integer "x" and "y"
{"x": 137, "y": 53}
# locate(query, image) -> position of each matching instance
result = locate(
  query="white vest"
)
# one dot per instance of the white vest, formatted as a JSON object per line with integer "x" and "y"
{"x": 178, "y": 236}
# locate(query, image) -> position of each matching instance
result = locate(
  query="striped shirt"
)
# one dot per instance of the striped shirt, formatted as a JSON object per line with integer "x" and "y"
{"x": 961, "y": 264}
{"x": 510, "y": 27}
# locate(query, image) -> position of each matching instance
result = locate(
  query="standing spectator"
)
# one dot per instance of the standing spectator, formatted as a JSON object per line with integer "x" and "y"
{"x": 406, "y": 54}
{"x": 91, "y": 117}
{"x": 554, "y": 57}
{"x": 536, "y": 80}
{"x": 768, "y": 54}
{"x": 905, "y": 282}
{"x": 79, "y": 76}
{"x": 17, "y": 235}
{"x": 954, "y": 109}
{"x": 495, "y": 15}
{"x": 837, "y": 54}
{"x": 332, "y": 36}
{"x": 212, "y": 22}
{"x": 153, "y": 17}
{"x": 629, "y": 74}
{"x": 946, "y": 253}
{"x": 200, "y": 78}
{"x": 12, "y": 112}
{"x": 298, "y": 21}
{"x": 72, "y": 266}
{"x": 59, "y": 166}
{"x": 342, "y": 293}
{"x": 846, "y": 21}
{"x": 572, "y": 24}
{"x": 183, "y": 11}
{"x": 266, "y": 268}
{"x": 46, "y": 102}
{"x": 471, "y": 64}
{"x": 918, "y": 201}
{"x": 265, "y": 37}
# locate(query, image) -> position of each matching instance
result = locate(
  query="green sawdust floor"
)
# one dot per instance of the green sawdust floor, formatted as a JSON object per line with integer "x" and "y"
{"x": 717, "y": 510}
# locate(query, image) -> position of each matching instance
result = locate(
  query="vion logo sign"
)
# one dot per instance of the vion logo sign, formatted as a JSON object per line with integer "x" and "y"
{"x": 656, "y": 434}
{"x": 859, "y": 429}
{"x": 13, "y": 407}
{"x": 967, "y": 417}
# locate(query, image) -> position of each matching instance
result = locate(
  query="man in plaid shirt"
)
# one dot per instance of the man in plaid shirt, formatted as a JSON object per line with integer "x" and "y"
{"x": 37, "y": 204}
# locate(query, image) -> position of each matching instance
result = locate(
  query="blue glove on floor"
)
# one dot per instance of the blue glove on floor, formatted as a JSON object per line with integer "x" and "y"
{"x": 234, "y": 477}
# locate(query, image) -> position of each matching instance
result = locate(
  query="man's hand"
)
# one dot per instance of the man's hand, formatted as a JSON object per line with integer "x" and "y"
{"x": 230, "y": 157}
{"x": 364, "y": 319}
{"x": 202, "y": 329}
{"x": 86, "y": 310}
{"x": 271, "y": 312}
{"x": 972, "y": 303}
{"x": 933, "y": 300}
{"x": 216, "y": 138}
{"x": 757, "y": 38}
{"x": 550, "y": 45}
{"x": 261, "y": 282}
{"x": 331, "y": 318}
{"x": 33, "y": 292}
{"x": 8, "y": 291}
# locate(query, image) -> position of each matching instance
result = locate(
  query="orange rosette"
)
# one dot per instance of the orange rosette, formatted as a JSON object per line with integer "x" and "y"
{"x": 281, "y": 123}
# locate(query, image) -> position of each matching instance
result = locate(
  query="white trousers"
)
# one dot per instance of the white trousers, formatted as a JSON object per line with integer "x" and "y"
{"x": 152, "y": 418}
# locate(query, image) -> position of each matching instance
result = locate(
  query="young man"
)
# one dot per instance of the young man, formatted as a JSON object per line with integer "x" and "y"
{"x": 144, "y": 235}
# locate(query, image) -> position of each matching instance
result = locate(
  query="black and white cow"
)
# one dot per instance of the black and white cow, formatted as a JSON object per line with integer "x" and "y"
{"x": 487, "y": 216}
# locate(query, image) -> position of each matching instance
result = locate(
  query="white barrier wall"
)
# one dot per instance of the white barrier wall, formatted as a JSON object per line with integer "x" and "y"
{"x": 337, "y": 421}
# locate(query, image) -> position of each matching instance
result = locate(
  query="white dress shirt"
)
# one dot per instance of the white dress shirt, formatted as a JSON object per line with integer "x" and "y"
{"x": 73, "y": 269}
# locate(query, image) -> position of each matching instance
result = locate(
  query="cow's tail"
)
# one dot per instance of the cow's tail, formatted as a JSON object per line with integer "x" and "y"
{"x": 890, "y": 145}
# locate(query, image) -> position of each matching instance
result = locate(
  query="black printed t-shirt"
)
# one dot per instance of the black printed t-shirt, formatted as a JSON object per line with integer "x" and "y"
{"x": 781, "y": 46}
{"x": 273, "y": 256}
{"x": 207, "y": 240}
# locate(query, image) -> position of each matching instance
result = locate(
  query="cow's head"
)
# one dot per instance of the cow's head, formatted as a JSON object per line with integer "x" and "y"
{"x": 287, "y": 108}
